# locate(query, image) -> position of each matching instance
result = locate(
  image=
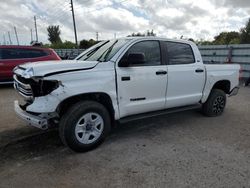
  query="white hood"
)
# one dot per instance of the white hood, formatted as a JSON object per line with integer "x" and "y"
{"x": 44, "y": 68}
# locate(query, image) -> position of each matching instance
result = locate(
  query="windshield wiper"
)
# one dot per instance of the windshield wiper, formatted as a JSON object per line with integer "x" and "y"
{"x": 94, "y": 50}
{"x": 107, "y": 52}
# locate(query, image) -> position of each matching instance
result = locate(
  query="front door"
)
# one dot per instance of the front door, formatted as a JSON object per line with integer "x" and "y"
{"x": 142, "y": 85}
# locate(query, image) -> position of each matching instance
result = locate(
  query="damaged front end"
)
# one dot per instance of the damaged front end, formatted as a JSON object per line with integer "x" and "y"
{"x": 31, "y": 88}
{"x": 34, "y": 87}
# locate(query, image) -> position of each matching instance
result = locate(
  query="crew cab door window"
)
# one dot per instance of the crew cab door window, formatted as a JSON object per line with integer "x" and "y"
{"x": 142, "y": 86}
{"x": 150, "y": 50}
{"x": 185, "y": 84}
{"x": 179, "y": 53}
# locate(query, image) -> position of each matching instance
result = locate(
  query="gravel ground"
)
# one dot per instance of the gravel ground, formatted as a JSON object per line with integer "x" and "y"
{"x": 177, "y": 150}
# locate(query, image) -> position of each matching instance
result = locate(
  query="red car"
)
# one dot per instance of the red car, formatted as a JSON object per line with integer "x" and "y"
{"x": 11, "y": 56}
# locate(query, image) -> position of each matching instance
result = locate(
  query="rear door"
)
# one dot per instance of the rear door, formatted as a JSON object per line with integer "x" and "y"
{"x": 142, "y": 87}
{"x": 186, "y": 75}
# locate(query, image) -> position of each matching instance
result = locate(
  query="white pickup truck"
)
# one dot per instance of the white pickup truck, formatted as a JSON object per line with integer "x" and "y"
{"x": 120, "y": 80}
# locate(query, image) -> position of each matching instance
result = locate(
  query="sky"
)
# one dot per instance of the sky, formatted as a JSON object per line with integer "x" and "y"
{"x": 201, "y": 19}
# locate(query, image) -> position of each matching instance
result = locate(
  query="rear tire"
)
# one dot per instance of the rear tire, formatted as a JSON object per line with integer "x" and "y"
{"x": 215, "y": 104}
{"x": 84, "y": 126}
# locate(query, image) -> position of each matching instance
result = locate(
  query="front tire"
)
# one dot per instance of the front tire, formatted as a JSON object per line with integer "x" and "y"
{"x": 84, "y": 126}
{"x": 215, "y": 104}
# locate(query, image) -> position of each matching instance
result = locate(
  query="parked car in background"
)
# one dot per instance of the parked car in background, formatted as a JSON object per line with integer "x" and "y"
{"x": 12, "y": 56}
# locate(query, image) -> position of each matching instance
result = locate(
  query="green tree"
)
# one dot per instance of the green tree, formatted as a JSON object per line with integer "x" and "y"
{"x": 245, "y": 34}
{"x": 54, "y": 34}
{"x": 84, "y": 44}
{"x": 136, "y": 35}
{"x": 63, "y": 45}
{"x": 191, "y": 39}
{"x": 231, "y": 37}
{"x": 151, "y": 33}
{"x": 204, "y": 42}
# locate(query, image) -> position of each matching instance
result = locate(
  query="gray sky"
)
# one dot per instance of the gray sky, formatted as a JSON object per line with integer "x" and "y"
{"x": 201, "y": 19}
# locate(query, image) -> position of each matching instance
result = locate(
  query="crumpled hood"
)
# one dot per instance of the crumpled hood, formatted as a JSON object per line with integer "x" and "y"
{"x": 46, "y": 68}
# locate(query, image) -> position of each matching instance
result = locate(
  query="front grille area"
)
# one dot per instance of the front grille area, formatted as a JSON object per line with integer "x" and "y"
{"x": 22, "y": 87}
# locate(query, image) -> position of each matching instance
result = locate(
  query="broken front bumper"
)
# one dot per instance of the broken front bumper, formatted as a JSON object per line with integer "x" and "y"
{"x": 32, "y": 120}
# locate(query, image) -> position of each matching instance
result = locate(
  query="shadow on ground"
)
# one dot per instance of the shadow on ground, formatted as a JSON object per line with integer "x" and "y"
{"x": 3, "y": 86}
{"x": 30, "y": 143}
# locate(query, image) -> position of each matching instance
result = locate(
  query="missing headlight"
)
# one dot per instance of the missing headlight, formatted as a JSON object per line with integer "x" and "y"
{"x": 44, "y": 87}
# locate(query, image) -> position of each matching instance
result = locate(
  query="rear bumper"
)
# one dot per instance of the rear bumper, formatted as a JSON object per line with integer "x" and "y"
{"x": 32, "y": 120}
{"x": 234, "y": 91}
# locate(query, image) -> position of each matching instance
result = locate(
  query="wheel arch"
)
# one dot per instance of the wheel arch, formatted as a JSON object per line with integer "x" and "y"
{"x": 102, "y": 98}
{"x": 223, "y": 85}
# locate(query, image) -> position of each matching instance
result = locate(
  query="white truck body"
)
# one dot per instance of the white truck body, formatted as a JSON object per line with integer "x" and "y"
{"x": 132, "y": 90}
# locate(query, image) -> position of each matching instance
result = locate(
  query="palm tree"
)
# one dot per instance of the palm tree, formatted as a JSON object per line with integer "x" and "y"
{"x": 54, "y": 34}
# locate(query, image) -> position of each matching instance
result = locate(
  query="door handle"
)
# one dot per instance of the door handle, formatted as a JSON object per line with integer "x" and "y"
{"x": 125, "y": 78}
{"x": 161, "y": 72}
{"x": 199, "y": 70}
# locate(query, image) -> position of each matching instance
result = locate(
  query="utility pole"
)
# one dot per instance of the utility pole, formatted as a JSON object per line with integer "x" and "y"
{"x": 74, "y": 23}
{"x": 9, "y": 38}
{"x": 114, "y": 35}
{"x": 31, "y": 35}
{"x": 97, "y": 36}
{"x": 36, "y": 29}
{"x": 16, "y": 36}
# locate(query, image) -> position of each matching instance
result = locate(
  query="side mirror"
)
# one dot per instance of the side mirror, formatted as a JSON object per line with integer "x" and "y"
{"x": 132, "y": 58}
{"x": 136, "y": 58}
{"x": 124, "y": 62}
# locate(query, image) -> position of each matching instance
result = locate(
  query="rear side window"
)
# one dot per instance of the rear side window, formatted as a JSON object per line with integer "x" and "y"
{"x": 151, "y": 51}
{"x": 179, "y": 53}
{"x": 15, "y": 53}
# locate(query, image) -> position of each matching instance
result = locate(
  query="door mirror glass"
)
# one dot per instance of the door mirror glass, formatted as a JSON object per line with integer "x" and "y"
{"x": 124, "y": 62}
{"x": 132, "y": 59}
{"x": 136, "y": 58}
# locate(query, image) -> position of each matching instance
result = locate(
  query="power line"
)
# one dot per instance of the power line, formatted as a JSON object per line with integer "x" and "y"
{"x": 58, "y": 13}
{"x": 54, "y": 5}
{"x": 60, "y": 9}
{"x": 104, "y": 7}
{"x": 79, "y": 7}
{"x": 25, "y": 22}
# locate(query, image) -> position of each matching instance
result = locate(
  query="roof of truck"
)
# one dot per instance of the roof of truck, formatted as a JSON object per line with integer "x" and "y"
{"x": 158, "y": 38}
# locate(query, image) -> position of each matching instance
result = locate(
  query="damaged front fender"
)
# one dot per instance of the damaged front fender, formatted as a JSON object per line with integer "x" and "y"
{"x": 44, "y": 104}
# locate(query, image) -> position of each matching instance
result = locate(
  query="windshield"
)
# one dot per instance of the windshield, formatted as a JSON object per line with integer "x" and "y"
{"x": 102, "y": 51}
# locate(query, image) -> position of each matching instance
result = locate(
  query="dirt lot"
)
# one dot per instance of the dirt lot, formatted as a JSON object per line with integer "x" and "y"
{"x": 177, "y": 150}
